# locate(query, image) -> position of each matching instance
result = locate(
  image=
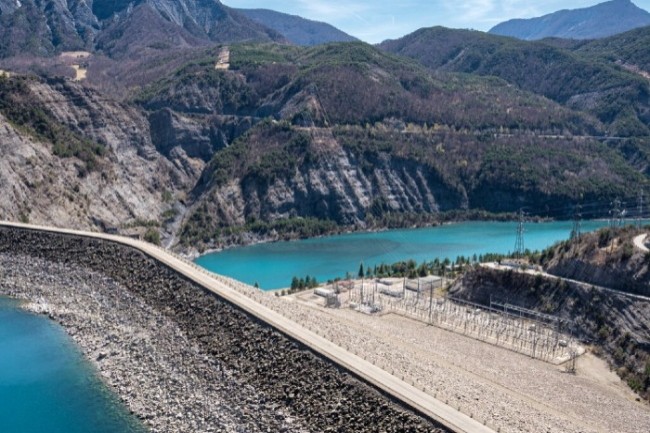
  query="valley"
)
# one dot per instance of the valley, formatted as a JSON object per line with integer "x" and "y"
{"x": 137, "y": 133}
{"x": 312, "y": 157}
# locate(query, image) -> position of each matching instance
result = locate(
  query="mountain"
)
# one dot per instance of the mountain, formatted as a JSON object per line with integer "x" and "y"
{"x": 588, "y": 83}
{"x": 42, "y": 28}
{"x": 629, "y": 49}
{"x": 215, "y": 143}
{"x": 601, "y": 20}
{"x": 297, "y": 30}
{"x": 285, "y": 141}
{"x": 344, "y": 135}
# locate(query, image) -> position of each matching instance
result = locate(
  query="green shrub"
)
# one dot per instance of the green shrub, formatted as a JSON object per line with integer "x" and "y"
{"x": 152, "y": 236}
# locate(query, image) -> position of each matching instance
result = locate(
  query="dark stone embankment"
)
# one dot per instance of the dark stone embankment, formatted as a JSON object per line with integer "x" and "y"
{"x": 181, "y": 358}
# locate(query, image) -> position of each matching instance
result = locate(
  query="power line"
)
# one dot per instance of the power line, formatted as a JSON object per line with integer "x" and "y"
{"x": 519, "y": 243}
{"x": 577, "y": 216}
{"x": 639, "y": 209}
{"x": 615, "y": 213}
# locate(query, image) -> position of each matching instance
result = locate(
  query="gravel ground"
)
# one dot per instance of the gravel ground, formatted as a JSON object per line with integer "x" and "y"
{"x": 508, "y": 391}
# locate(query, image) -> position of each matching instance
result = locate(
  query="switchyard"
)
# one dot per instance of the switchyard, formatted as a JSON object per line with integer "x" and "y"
{"x": 540, "y": 336}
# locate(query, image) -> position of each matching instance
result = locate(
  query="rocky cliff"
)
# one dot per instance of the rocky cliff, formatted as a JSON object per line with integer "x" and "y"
{"x": 130, "y": 182}
{"x": 279, "y": 141}
{"x": 608, "y": 258}
{"x": 318, "y": 178}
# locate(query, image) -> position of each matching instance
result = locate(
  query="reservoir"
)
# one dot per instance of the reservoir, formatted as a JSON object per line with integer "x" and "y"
{"x": 46, "y": 386}
{"x": 272, "y": 265}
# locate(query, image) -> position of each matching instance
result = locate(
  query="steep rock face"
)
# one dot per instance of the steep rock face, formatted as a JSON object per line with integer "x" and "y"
{"x": 199, "y": 17}
{"x": 608, "y": 258}
{"x": 141, "y": 30}
{"x": 41, "y": 28}
{"x": 329, "y": 184}
{"x": 47, "y": 27}
{"x": 128, "y": 183}
{"x": 170, "y": 130}
{"x": 628, "y": 277}
{"x": 180, "y": 138}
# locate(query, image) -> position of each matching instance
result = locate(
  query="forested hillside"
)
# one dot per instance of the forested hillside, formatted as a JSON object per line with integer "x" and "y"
{"x": 589, "y": 83}
{"x": 357, "y": 137}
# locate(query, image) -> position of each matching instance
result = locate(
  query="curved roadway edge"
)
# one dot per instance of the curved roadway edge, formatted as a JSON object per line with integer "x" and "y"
{"x": 409, "y": 395}
{"x": 639, "y": 242}
{"x": 583, "y": 284}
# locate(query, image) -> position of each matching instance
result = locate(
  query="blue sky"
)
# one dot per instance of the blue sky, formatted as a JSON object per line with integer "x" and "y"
{"x": 376, "y": 20}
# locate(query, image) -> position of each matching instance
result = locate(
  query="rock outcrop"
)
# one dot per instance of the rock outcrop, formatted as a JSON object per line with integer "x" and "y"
{"x": 607, "y": 258}
{"x": 127, "y": 185}
{"x": 50, "y": 27}
{"x": 335, "y": 188}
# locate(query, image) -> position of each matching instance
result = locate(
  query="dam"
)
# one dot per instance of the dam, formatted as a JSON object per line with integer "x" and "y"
{"x": 186, "y": 352}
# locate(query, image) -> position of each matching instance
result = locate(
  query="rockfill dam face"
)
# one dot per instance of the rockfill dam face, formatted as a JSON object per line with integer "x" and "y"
{"x": 284, "y": 386}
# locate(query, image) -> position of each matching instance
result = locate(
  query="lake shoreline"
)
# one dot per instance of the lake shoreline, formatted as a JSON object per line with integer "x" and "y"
{"x": 251, "y": 238}
{"x": 330, "y": 257}
{"x": 65, "y": 372}
{"x": 111, "y": 342}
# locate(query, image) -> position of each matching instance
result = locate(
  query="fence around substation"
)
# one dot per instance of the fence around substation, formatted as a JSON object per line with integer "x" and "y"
{"x": 537, "y": 335}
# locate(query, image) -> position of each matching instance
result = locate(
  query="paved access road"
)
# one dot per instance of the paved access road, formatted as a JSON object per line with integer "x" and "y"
{"x": 393, "y": 386}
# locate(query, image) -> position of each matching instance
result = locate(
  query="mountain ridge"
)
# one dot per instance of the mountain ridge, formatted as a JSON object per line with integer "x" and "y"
{"x": 32, "y": 27}
{"x": 296, "y": 29}
{"x": 602, "y": 20}
{"x": 270, "y": 140}
{"x": 602, "y": 88}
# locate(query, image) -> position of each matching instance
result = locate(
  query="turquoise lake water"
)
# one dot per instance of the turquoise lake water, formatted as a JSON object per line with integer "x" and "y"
{"x": 273, "y": 265}
{"x": 46, "y": 386}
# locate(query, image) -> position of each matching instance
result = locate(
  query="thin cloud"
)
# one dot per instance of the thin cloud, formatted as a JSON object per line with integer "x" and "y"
{"x": 322, "y": 10}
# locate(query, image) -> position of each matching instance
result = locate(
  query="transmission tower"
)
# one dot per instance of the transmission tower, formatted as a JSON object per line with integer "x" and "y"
{"x": 577, "y": 216}
{"x": 639, "y": 210}
{"x": 571, "y": 364}
{"x": 615, "y": 213}
{"x": 519, "y": 243}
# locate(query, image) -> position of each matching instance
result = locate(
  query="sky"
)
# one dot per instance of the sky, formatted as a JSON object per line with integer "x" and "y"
{"x": 376, "y": 20}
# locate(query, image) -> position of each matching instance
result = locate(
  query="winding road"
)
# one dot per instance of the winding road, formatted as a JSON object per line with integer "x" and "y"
{"x": 555, "y": 277}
